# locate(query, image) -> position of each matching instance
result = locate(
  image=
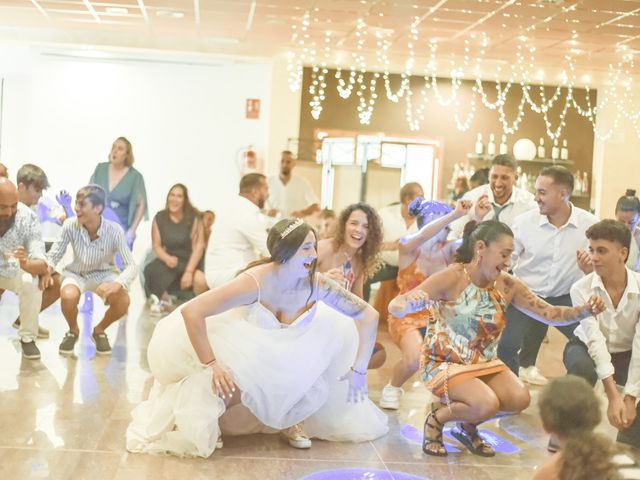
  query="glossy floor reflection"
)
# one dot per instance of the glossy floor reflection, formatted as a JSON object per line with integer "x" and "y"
{"x": 65, "y": 418}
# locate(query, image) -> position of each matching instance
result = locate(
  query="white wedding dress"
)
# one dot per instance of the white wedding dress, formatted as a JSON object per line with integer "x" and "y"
{"x": 286, "y": 375}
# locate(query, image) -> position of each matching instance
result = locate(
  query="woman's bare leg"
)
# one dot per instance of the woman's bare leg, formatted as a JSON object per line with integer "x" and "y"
{"x": 411, "y": 346}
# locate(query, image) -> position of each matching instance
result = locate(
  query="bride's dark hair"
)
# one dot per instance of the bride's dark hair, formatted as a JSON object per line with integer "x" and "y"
{"x": 281, "y": 249}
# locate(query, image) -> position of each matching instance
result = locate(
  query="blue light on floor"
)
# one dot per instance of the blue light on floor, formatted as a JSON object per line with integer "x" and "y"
{"x": 360, "y": 474}
{"x": 414, "y": 435}
{"x": 500, "y": 444}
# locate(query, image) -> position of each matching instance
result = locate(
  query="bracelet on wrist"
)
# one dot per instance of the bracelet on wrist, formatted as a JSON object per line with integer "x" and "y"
{"x": 358, "y": 372}
{"x": 209, "y": 364}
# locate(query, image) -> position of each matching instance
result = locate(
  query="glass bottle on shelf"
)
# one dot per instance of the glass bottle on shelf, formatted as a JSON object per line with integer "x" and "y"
{"x": 491, "y": 146}
{"x": 577, "y": 181}
{"x": 564, "y": 151}
{"x": 555, "y": 151}
{"x": 585, "y": 183}
{"x": 479, "y": 148}
{"x": 541, "y": 151}
{"x": 503, "y": 145}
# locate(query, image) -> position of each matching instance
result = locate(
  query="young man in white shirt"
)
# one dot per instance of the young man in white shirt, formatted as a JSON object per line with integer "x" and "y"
{"x": 499, "y": 199}
{"x": 289, "y": 194}
{"x": 396, "y": 223}
{"x": 240, "y": 233}
{"x": 546, "y": 241}
{"x": 607, "y": 347}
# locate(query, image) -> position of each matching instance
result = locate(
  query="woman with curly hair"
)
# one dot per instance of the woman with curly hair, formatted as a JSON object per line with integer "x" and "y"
{"x": 352, "y": 255}
{"x": 569, "y": 409}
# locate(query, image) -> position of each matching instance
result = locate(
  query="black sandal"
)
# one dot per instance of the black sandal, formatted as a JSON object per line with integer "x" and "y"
{"x": 473, "y": 441}
{"x": 428, "y": 441}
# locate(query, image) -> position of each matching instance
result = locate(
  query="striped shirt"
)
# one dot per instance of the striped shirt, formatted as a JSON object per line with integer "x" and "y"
{"x": 25, "y": 232}
{"x": 94, "y": 259}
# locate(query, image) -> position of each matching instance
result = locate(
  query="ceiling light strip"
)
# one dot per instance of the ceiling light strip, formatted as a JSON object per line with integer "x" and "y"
{"x": 196, "y": 13}
{"x": 39, "y": 7}
{"x": 143, "y": 10}
{"x": 252, "y": 12}
{"x": 483, "y": 19}
{"x": 92, "y": 10}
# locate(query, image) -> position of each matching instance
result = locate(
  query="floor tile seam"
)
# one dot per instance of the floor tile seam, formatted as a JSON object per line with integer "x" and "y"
{"x": 380, "y": 456}
{"x": 318, "y": 460}
{"x": 74, "y": 450}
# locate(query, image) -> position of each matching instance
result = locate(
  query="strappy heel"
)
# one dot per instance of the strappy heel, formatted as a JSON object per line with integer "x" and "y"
{"x": 429, "y": 442}
{"x": 473, "y": 441}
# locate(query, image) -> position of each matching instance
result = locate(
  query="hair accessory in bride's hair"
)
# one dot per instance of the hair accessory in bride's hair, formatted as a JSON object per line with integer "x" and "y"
{"x": 291, "y": 228}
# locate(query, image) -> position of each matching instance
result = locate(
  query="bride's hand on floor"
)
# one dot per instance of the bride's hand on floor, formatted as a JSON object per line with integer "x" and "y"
{"x": 358, "y": 389}
{"x": 221, "y": 381}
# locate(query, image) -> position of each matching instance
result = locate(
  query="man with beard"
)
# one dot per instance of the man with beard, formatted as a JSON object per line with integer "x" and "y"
{"x": 499, "y": 199}
{"x": 240, "y": 235}
{"x": 291, "y": 195}
{"x": 23, "y": 266}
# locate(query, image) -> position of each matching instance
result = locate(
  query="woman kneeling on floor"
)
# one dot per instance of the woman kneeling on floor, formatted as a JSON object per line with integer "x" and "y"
{"x": 459, "y": 362}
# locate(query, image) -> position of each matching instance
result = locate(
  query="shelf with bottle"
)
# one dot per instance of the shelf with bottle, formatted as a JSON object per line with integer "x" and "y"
{"x": 546, "y": 161}
{"x": 559, "y": 155}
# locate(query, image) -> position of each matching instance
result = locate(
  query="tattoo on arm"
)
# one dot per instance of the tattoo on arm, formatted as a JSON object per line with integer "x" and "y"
{"x": 339, "y": 298}
{"x": 528, "y": 301}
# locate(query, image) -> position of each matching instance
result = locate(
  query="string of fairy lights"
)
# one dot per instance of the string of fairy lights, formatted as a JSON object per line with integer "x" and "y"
{"x": 417, "y": 90}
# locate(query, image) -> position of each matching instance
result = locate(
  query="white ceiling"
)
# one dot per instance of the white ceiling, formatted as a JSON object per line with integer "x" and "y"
{"x": 595, "y": 32}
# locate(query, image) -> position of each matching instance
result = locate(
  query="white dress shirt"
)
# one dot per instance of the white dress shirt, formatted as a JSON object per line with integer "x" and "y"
{"x": 394, "y": 228}
{"x": 238, "y": 237}
{"x": 544, "y": 256}
{"x": 519, "y": 202}
{"x": 296, "y": 195}
{"x": 614, "y": 330}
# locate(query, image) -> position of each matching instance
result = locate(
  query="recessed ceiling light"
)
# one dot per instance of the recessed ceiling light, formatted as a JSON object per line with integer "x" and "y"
{"x": 170, "y": 13}
{"x": 117, "y": 10}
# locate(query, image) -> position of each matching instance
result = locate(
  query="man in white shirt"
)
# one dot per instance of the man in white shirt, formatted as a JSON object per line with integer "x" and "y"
{"x": 546, "y": 242}
{"x": 607, "y": 347}
{"x": 240, "y": 234}
{"x": 499, "y": 199}
{"x": 396, "y": 223}
{"x": 289, "y": 194}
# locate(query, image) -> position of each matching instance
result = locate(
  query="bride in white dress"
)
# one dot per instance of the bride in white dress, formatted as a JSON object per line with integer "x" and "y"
{"x": 279, "y": 340}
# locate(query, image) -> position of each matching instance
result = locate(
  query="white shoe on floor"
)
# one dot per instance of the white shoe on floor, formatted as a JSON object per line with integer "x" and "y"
{"x": 296, "y": 436}
{"x": 390, "y": 398}
{"x": 532, "y": 375}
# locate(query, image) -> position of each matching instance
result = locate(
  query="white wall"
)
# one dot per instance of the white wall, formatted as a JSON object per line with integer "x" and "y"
{"x": 615, "y": 160}
{"x": 186, "y": 123}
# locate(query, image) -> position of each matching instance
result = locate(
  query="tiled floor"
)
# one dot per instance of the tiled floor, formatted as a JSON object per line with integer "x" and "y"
{"x": 65, "y": 418}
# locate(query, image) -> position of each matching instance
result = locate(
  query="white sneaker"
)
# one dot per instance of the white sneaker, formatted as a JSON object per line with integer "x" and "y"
{"x": 390, "y": 398}
{"x": 296, "y": 436}
{"x": 532, "y": 375}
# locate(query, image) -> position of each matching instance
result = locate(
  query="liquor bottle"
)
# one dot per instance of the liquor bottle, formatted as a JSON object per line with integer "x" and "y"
{"x": 503, "y": 145}
{"x": 479, "y": 147}
{"x": 585, "y": 183}
{"x": 541, "y": 151}
{"x": 564, "y": 151}
{"x": 491, "y": 146}
{"x": 555, "y": 151}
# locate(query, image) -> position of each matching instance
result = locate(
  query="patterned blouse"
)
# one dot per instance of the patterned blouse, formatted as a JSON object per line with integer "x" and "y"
{"x": 465, "y": 331}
